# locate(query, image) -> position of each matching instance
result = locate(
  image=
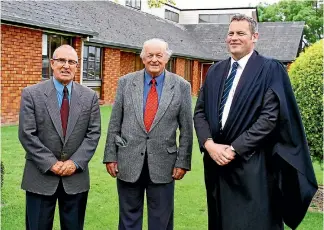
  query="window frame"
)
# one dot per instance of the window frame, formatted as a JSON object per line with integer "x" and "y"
{"x": 85, "y": 58}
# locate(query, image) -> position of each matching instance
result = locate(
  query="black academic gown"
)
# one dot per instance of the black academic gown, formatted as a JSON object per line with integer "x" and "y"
{"x": 271, "y": 179}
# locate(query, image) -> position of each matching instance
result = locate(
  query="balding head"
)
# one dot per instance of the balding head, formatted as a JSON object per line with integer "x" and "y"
{"x": 65, "y": 48}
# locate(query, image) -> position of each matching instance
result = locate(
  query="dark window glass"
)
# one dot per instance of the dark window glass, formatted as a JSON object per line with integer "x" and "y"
{"x": 91, "y": 63}
{"x": 172, "y": 16}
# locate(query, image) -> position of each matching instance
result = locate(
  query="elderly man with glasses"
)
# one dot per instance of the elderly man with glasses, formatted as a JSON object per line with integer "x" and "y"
{"x": 59, "y": 128}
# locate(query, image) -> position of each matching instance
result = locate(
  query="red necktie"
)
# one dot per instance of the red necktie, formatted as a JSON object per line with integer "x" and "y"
{"x": 65, "y": 109}
{"x": 151, "y": 107}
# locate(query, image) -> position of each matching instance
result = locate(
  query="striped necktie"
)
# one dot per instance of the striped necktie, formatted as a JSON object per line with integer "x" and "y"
{"x": 227, "y": 89}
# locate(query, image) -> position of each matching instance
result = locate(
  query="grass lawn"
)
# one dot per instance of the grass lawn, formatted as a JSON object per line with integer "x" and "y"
{"x": 102, "y": 209}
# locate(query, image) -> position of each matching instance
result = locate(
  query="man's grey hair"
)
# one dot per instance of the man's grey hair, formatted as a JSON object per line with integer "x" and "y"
{"x": 252, "y": 23}
{"x": 168, "y": 52}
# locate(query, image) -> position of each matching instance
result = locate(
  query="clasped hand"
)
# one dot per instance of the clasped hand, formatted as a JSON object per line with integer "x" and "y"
{"x": 65, "y": 168}
{"x": 221, "y": 154}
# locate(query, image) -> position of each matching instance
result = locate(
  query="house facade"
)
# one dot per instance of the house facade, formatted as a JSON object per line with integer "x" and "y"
{"x": 108, "y": 38}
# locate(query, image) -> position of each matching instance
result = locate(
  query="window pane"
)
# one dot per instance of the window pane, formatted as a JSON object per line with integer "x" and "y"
{"x": 45, "y": 67}
{"x": 92, "y": 53}
{"x": 85, "y": 65}
{"x": 98, "y": 55}
{"x": 203, "y": 18}
{"x": 85, "y": 52}
{"x": 98, "y": 71}
{"x": 91, "y": 72}
{"x": 214, "y": 18}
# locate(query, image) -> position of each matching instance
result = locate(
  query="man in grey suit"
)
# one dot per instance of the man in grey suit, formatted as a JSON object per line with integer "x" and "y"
{"x": 141, "y": 148}
{"x": 59, "y": 128}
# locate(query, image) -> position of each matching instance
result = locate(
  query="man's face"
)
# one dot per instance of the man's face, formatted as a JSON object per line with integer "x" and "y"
{"x": 155, "y": 58}
{"x": 240, "y": 40}
{"x": 64, "y": 65}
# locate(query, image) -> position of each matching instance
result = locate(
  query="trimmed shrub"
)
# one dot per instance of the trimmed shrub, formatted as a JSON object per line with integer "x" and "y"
{"x": 306, "y": 75}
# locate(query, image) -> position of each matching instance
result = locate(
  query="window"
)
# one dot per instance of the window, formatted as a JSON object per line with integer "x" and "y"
{"x": 138, "y": 63}
{"x": 134, "y": 4}
{"x": 49, "y": 43}
{"x": 171, "y": 65}
{"x": 172, "y": 16}
{"x": 91, "y": 63}
{"x": 188, "y": 70}
{"x": 215, "y": 18}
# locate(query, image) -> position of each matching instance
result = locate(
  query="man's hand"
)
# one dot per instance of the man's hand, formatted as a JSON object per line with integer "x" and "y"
{"x": 57, "y": 167}
{"x": 112, "y": 168}
{"x": 178, "y": 173}
{"x": 218, "y": 152}
{"x": 68, "y": 168}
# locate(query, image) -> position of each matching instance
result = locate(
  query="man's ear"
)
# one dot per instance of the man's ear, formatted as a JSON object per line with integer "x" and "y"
{"x": 255, "y": 37}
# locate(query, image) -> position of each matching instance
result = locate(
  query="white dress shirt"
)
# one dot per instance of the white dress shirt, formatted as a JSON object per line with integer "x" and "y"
{"x": 242, "y": 63}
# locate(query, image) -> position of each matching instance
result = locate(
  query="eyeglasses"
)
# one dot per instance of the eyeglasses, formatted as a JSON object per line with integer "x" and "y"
{"x": 62, "y": 61}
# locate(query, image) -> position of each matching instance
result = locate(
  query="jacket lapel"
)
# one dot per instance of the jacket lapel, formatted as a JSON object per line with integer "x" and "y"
{"x": 75, "y": 110}
{"x": 167, "y": 95}
{"x": 250, "y": 73}
{"x": 53, "y": 107}
{"x": 137, "y": 96}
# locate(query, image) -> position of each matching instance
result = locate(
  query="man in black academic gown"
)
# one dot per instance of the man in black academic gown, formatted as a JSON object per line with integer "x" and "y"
{"x": 258, "y": 171}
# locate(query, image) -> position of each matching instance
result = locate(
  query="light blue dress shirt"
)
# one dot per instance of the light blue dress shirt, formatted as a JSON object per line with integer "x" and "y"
{"x": 59, "y": 91}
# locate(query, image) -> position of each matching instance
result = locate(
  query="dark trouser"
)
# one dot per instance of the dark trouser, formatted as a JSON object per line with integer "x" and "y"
{"x": 160, "y": 203}
{"x": 40, "y": 210}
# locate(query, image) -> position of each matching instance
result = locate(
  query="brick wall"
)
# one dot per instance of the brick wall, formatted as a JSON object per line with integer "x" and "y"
{"x": 77, "y": 46}
{"x": 127, "y": 63}
{"x": 195, "y": 78}
{"x": 180, "y": 66}
{"x": 110, "y": 74}
{"x": 21, "y": 66}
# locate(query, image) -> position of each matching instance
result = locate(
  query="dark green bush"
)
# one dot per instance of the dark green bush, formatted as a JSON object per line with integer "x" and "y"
{"x": 2, "y": 173}
{"x": 306, "y": 75}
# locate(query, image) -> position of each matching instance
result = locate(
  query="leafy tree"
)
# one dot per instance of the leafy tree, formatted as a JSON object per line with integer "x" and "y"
{"x": 158, "y": 3}
{"x": 306, "y": 75}
{"x": 296, "y": 10}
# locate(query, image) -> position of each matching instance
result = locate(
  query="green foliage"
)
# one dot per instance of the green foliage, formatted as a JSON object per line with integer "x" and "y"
{"x": 306, "y": 75}
{"x": 158, "y": 3}
{"x": 2, "y": 173}
{"x": 296, "y": 10}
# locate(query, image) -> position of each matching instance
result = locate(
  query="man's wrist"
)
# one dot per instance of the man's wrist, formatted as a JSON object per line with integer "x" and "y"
{"x": 232, "y": 148}
{"x": 208, "y": 140}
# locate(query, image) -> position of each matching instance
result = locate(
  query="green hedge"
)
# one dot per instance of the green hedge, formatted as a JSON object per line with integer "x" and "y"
{"x": 2, "y": 173}
{"x": 306, "y": 75}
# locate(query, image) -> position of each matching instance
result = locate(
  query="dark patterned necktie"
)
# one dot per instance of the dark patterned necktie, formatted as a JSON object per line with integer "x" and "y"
{"x": 151, "y": 106}
{"x": 227, "y": 89}
{"x": 65, "y": 109}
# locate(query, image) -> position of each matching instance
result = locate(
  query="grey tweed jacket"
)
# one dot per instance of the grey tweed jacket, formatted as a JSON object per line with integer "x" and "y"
{"x": 128, "y": 141}
{"x": 41, "y": 135}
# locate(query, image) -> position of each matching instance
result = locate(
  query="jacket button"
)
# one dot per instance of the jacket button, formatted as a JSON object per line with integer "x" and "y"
{"x": 147, "y": 138}
{"x": 142, "y": 154}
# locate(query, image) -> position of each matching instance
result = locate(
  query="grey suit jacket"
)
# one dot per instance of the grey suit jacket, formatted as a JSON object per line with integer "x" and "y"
{"x": 128, "y": 141}
{"x": 41, "y": 135}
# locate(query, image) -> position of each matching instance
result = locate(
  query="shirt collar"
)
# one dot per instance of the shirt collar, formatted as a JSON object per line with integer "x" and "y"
{"x": 59, "y": 87}
{"x": 243, "y": 61}
{"x": 159, "y": 79}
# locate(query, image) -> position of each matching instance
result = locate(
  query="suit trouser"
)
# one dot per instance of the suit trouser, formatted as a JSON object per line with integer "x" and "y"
{"x": 160, "y": 203}
{"x": 40, "y": 210}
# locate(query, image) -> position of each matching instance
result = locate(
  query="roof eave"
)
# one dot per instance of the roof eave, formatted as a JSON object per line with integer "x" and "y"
{"x": 138, "y": 48}
{"x": 41, "y": 25}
